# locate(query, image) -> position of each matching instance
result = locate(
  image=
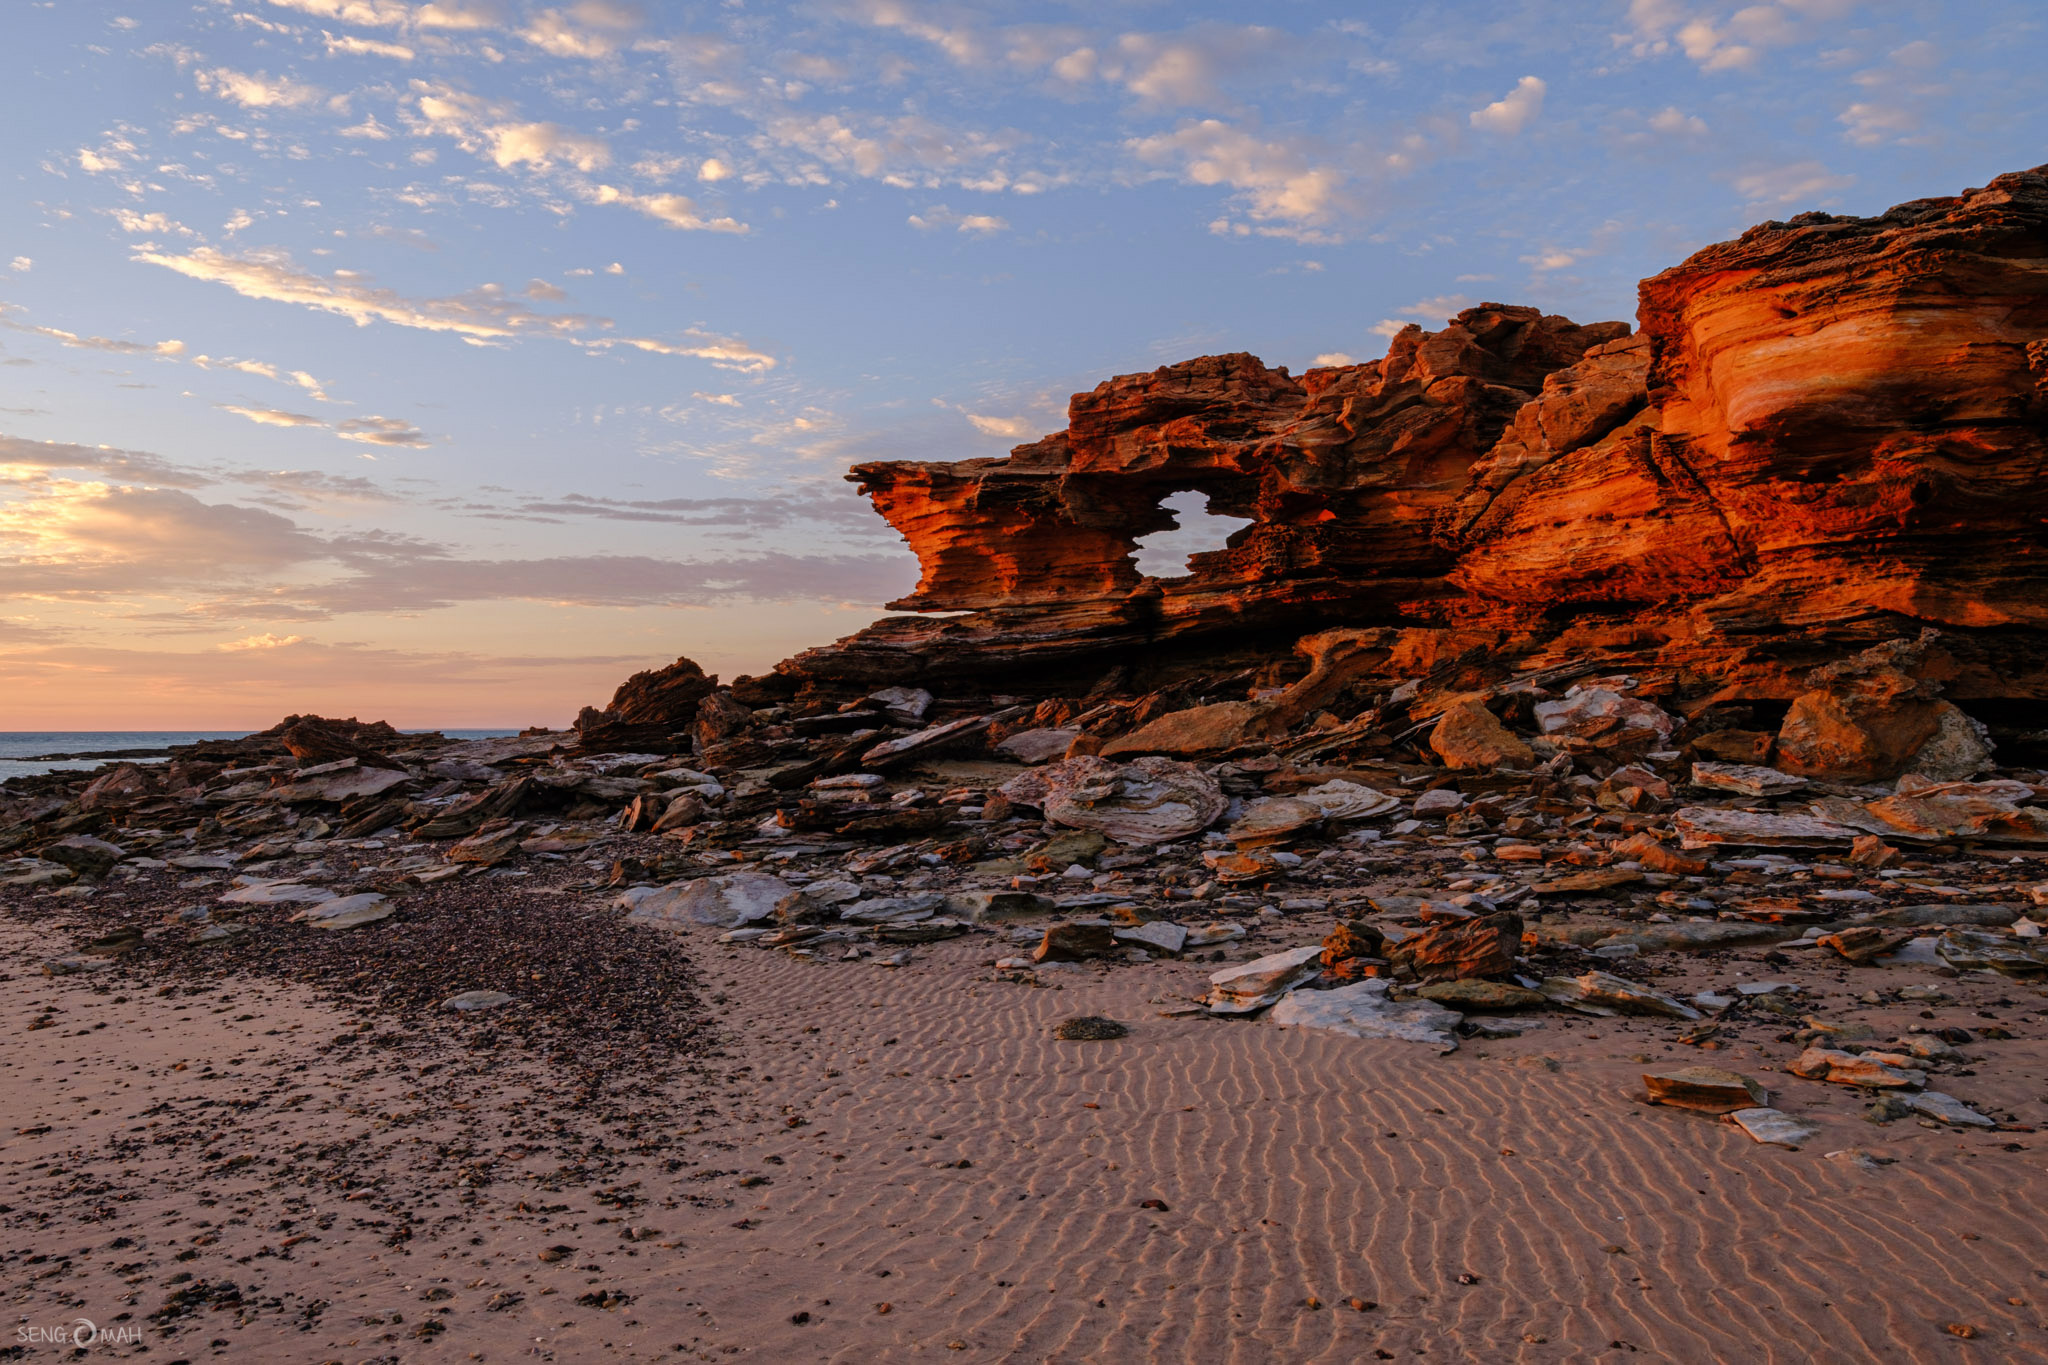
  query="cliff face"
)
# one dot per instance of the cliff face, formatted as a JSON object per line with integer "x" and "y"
{"x": 1823, "y": 433}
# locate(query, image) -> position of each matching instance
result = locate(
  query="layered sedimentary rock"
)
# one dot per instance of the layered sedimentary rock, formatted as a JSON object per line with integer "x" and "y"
{"x": 1830, "y": 432}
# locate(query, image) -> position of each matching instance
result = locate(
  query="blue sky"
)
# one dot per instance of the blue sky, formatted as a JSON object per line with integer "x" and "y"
{"x": 448, "y": 361}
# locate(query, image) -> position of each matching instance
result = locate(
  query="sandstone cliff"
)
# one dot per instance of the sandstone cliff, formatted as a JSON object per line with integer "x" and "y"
{"x": 1829, "y": 432}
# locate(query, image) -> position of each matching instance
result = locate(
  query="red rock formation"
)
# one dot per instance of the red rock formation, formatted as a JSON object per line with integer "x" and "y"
{"x": 1827, "y": 433}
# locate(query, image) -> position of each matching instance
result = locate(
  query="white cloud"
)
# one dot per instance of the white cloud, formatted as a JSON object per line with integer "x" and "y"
{"x": 145, "y": 224}
{"x": 543, "y": 144}
{"x": 444, "y": 14}
{"x": 713, "y": 170}
{"x": 264, "y": 641}
{"x": 366, "y": 13}
{"x": 1673, "y": 121}
{"x": 381, "y": 431}
{"x": 1333, "y": 358}
{"x": 92, "y": 343}
{"x": 724, "y": 400}
{"x": 1389, "y": 327}
{"x": 675, "y": 210}
{"x": 1805, "y": 183}
{"x": 482, "y": 315}
{"x": 351, "y": 46}
{"x": 1434, "y": 311}
{"x": 1010, "y": 428}
{"x": 1277, "y": 179}
{"x": 272, "y": 417}
{"x": 254, "y": 90}
{"x": 591, "y": 29}
{"x": 545, "y": 291}
{"x": 1514, "y": 111}
{"x": 1870, "y": 123}
{"x": 265, "y": 369}
{"x": 934, "y": 219}
{"x": 1724, "y": 42}
{"x": 21, "y": 265}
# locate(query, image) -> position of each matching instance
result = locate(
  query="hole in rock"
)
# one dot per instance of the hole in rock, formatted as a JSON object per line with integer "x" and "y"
{"x": 1164, "y": 554}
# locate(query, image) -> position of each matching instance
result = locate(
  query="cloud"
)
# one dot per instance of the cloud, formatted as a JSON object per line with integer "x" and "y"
{"x": 713, "y": 170}
{"x": 672, "y": 210}
{"x": 28, "y": 462}
{"x": 724, "y": 353}
{"x": 92, "y": 538}
{"x": 351, "y": 46}
{"x": 445, "y": 14}
{"x": 256, "y": 90}
{"x": 943, "y": 217}
{"x": 91, "y": 343}
{"x": 1673, "y": 121}
{"x": 21, "y": 265}
{"x": 1182, "y": 69}
{"x": 144, "y": 224}
{"x": 1277, "y": 179}
{"x": 543, "y": 144}
{"x": 1514, "y": 111}
{"x": 910, "y": 150}
{"x": 264, "y": 641}
{"x": 382, "y": 431}
{"x": 272, "y": 417}
{"x": 1870, "y": 123}
{"x": 544, "y": 290}
{"x": 1436, "y": 310}
{"x": 1806, "y": 183}
{"x": 1012, "y": 428}
{"x": 483, "y": 313}
{"x": 724, "y": 400}
{"x": 1333, "y": 358}
{"x": 268, "y": 371}
{"x": 1736, "y": 42}
{"x": 591, "y": 29}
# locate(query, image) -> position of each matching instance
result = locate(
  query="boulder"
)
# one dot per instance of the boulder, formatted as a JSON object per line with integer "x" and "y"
{"x": 1878, "y": 714}
{"x": 1146, "y": 801}
{"x": 1469, "y": 736}
{"x": 1075, "y": 942}
{"x": 84, "y": 855}
{"x": 1480, "y": 947}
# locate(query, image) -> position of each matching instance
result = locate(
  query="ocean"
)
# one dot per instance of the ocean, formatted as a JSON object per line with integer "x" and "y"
{"x": 22, "y": 752}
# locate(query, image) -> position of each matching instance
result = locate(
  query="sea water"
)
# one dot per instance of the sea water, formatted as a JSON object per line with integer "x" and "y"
{"x": 21, "y": 751}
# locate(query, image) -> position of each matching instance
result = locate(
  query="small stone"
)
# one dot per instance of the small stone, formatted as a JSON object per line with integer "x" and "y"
{"x": 476, "y": 1000}
{"x": 1442, "y": 801}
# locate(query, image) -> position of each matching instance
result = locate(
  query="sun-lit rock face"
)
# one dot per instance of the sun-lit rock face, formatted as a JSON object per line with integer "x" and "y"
{"x": 1343, "y": 471}
{"x": 1840, "y": 415}
{"x": 1828, "y": 430}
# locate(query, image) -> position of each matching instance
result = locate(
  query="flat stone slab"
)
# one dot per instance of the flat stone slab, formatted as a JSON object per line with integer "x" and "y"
{"x": 1779, "y": 1130}
{"x": 347, "y": 912}
{"x": 1362, "y": 1010}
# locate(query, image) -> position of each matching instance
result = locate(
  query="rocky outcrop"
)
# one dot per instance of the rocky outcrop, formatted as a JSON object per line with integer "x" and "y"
{"x": 1826, "y": 434}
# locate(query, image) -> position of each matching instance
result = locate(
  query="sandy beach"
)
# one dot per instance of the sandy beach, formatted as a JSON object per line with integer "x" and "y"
{"x": 853, "y": 1162}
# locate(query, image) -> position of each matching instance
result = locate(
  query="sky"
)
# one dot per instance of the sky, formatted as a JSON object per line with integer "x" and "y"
{"x": 446, "y": 362}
